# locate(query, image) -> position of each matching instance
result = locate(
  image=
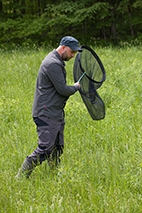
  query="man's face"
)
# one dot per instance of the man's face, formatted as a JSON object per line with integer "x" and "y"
{"x": 68, "y": 54}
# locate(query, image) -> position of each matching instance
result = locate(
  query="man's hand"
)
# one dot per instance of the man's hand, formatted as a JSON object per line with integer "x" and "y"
{"x": 77, "y": 83}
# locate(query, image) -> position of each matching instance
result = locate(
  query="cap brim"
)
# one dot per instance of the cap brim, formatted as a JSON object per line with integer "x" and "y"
{"x": 76, "y": 49}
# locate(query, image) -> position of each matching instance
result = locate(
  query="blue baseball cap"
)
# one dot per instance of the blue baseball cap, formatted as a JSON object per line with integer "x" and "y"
{"x": 71, "y": 42}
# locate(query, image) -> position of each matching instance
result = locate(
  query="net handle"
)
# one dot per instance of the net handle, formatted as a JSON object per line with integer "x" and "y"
{"x": 81, "y": 77}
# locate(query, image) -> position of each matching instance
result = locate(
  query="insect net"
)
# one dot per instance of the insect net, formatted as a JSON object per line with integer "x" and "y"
{"x": 87, "y": 61}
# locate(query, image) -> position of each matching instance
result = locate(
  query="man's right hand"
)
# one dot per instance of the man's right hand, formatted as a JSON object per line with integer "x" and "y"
{"x": 77, "y": 83}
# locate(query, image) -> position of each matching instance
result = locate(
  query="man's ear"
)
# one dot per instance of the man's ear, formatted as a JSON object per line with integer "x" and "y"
{"x": 63, "y": 47}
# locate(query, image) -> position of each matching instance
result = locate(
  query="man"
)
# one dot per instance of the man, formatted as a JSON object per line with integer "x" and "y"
{"x": 50, "y": 98}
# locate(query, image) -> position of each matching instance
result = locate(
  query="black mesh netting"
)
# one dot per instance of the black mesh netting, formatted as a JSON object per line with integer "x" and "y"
{"x": 87, "y": 61}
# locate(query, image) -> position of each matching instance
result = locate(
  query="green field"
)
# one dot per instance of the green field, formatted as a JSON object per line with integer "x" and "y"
{"x": 101, "y": 168}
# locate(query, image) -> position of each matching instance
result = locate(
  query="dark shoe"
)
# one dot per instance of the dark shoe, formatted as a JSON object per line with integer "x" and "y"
{"x": 25, "y": 170}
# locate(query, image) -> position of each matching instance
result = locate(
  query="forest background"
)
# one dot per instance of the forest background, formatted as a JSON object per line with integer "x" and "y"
{"x": 45, "y": 22}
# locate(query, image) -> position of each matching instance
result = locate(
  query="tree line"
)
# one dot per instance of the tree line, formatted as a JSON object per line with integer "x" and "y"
{"x": 90, "y": 21}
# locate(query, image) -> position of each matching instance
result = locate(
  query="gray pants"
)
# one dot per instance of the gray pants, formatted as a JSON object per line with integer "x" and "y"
{"x": 51, "y": 140}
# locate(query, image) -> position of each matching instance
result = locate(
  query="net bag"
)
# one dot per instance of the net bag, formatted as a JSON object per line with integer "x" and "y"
{"x": 88, "y": 65}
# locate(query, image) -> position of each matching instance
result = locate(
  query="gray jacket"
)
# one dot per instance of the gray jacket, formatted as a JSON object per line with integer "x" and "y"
{"x": 51, "y": 91}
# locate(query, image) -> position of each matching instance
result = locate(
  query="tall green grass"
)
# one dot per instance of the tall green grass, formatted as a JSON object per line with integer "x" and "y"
{"x": 102, "y": 160}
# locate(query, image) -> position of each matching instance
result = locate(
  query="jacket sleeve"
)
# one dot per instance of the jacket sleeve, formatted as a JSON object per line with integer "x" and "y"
{"x": 55, "y": 73}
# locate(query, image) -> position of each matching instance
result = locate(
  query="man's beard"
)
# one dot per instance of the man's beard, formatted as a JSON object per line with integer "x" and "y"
{"x": 65, "y": 58}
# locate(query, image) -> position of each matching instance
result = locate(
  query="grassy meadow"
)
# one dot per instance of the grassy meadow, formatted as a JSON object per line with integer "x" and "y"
{"x": 101, "y": 166}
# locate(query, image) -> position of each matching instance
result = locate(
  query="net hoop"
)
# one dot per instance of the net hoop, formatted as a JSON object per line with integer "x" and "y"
{"x": 98, "y": 60}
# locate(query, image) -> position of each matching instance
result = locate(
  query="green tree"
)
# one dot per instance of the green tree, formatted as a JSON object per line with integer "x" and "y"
{"x": 46, "y": 21}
